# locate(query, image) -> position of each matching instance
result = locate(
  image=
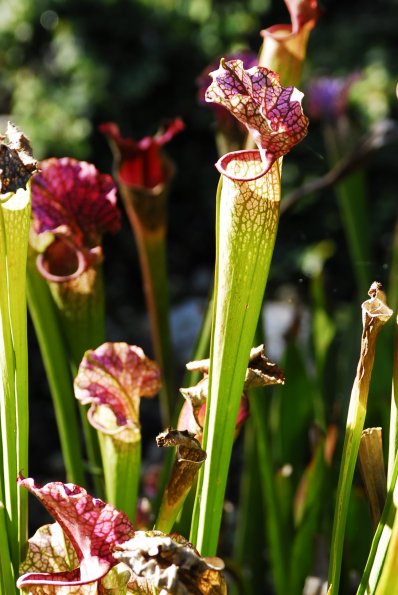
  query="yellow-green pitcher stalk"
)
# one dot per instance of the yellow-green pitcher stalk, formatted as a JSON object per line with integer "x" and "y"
{"x": 16, "y": 168}
{"x": 247, "y": 220}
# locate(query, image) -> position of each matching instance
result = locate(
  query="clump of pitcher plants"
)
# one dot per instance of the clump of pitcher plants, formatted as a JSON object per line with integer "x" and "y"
{"x": 106, "y": 537}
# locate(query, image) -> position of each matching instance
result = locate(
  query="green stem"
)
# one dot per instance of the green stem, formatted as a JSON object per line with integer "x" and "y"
{"x": 152, "y": 253}
{"x": 308, "y": 503}
{"x": 91, "y": 441}
{"x": 393, "y": 437}
{"x": 82, "y": 313}
{"x": 323, "y": 332}
{"x": 122, "y": 472}
{"x": 55, "y": 361}
{"x": 388, "y": 578}
{"x": 247, "y": 220}
{"x": 7, "y": 580}
{"x": 14, "y": 416}
{"x": 8, "y": 406}
{"x": 249, "y": 541}
{"x": 278, "y": 551}
{"x": 393, "y": 300}
{"x": 16, "y": 214}
{"x": 375, "y": 314}
{"x": 202, "y": 347}
{"x": 147, "y": 212}
{"x": 81, "y": 310}
{"x": 258, "y": 477}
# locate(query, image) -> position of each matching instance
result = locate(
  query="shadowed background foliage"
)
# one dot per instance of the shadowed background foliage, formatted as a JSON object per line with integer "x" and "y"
{"x": 67, "y": 66}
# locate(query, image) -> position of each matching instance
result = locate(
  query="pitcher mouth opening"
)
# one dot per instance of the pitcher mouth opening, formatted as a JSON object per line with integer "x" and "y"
{"x": 61, "y": 262}
{"x": 279, "y": 32}
{"x": 243, "y": 166}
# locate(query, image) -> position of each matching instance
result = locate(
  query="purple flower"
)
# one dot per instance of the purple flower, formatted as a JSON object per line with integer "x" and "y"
{"x": 327, "y": 97}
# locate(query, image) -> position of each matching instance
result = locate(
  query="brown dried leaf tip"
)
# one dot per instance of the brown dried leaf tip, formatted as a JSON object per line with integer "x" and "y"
{"x": 376, "y": 291}
{"x": 189, "y": 458}
{"x": 260, "y": 372}
{"x": 376, "y": 307}
{"x": 16, "y": 162}
{"x": 188, "y": 447}
{"x": 169, "y": 564}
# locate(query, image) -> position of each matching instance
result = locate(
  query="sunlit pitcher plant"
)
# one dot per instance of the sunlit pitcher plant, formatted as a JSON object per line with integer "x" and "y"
{"x": 53, "y": 216}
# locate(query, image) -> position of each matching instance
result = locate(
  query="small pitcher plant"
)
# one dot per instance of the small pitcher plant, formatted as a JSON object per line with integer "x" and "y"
{"x": 144, "y": 175}
{"x": 290, "y": 528}
{"x": 112, "y": 379}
